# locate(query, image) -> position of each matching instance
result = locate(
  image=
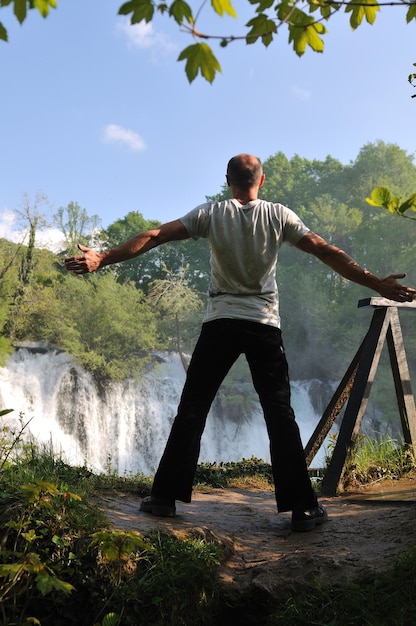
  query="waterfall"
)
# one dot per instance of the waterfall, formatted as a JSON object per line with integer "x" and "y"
{"x": 125, "y": 427}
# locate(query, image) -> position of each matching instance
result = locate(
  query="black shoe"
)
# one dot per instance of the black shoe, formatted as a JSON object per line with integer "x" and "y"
{"x": 158, "y": 506}
{"x": 307, "y": 520}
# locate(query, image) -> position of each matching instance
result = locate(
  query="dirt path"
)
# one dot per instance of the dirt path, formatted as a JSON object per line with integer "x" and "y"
{"x": 366, "y": 530}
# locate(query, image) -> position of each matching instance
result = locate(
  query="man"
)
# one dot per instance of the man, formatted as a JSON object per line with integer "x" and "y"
{"x": 242, "y": 316}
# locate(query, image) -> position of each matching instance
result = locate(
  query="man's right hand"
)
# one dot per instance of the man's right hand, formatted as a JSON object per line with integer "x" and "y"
{"x": 88, "y": 261}
{"x": 390, "y": 288}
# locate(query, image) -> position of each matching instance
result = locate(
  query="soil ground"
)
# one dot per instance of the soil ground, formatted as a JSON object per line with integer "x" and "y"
{"x": 366, "y": 530}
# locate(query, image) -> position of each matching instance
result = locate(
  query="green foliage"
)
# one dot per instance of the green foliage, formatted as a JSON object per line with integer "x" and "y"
{"x": 11, "y": 441}
{"x": 76, "y": 226}
{"x": 174, "y": 583}
{"x": 21, "y": 7}
{"x": 223, "y": 474}
{"x": 320, "y": 338}
{"x": 199, "y": 58}
{"x": 261, "y": 27}
{"x": 150, "y": 266}
{"x": 173, "y": 299}
{"x": 378, "y": 457}
{"x": 123, "y": 328}
{"x": 106, "y": 326}
{"x": 41, "y": 523}
{"x": 367, "y": 9}
{"x": 383, "y": 197}
{"x": 305, "y": 30}
{"x": 60, "y": 565}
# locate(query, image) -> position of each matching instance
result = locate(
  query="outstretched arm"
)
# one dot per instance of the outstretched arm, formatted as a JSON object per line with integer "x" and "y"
{"x": 344, "y": 265}
{"x": 91, "y": 261}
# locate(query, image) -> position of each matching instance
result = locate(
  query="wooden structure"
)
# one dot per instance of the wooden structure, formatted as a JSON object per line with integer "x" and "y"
{"x": 355, "y": 387}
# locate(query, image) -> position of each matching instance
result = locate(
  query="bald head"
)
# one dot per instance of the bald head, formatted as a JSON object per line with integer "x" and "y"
{"x": 244, "y": 171}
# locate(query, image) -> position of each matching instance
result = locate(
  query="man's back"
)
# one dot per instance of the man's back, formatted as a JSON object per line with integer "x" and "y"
{"x": 244, "y": 242}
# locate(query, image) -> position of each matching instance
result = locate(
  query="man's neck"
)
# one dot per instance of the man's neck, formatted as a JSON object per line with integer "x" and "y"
{"x": 244, "y": 196}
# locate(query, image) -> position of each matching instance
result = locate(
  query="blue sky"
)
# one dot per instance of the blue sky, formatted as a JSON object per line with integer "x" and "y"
{"x": 99, "y": 113}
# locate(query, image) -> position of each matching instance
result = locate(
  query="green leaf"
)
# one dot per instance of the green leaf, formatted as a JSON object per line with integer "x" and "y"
{"x": 307, "y": 36}
{"x": 411, "y": 13}
{"x": 60, "y": 542}
{"x": 223, "y": 6}
{"x": 20, "y": 10}
{"x": 43, "y": 6}
{"x": 325, "y": 10}
{"x": 380, "y": 196}
{"x": 366, "y": 9}
{"x": 409, "y": 203}
{"x": 263, "y": 4}
{"x": 37, "y": 489}
{"x": 10, "y": 571}
{"x": 181, "y": 11}
{"x": 30, "y": 536}
{"x": 200, "y": 58}
{"x": 46, "y": 582}
{"x": 140, "y": 10}
{"x": 111, "y": 619}
{"x": 261, "y": 26}
{"x": 3, "y": 33}
{"x": 115, "y": 545}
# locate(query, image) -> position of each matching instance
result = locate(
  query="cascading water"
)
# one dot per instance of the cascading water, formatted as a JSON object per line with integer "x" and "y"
{"x": 125, "y": 427}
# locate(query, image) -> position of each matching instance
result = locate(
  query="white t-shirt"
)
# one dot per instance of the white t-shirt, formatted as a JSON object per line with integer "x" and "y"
{"x": 244, "y": 242}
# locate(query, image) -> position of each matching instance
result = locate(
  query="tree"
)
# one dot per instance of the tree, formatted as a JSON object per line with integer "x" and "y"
{"x": 109, "y": 328}
{"x": 76, "y": 225}
{"x": 31, "y": 218}
{"x": 304, "y": 22}
{"x": 329, "y": 197}
{"x": 175, "y": 299}
{"x": 149, "y": 267}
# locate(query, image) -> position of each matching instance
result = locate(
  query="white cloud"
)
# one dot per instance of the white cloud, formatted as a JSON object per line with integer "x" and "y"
{"x": 143, "y": 36}
{"x": 7, "y": 220}
{"x": 300, "y": 93}
{"x": 113, "y": 133}
{"x": 50, "y": 237}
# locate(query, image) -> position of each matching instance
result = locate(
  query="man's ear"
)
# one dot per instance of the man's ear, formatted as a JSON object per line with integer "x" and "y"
{"x": 262, "y": 179}
{"x": 228, "y": 180}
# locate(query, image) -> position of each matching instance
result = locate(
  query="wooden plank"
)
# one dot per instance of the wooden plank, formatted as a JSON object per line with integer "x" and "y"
{"x": 358, "y": 400}
{"x": 332, "y": 411}
{"x": 377, "y": 302}
{"x": 401, "y": 376}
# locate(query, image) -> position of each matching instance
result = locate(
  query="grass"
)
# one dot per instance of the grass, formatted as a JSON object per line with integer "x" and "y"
{"x": 60, "y": 564}
{"x": 378, "y": 458}
{"x": 244, "y": 474}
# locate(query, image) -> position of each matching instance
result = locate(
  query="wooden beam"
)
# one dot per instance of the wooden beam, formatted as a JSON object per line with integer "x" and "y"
{"x": 356, "y": 386}
{"x": 384, "y": 302}
{"x": 401, "y": 377}
{"x": 332, "y": 411}
{"x": 367, "y": 366}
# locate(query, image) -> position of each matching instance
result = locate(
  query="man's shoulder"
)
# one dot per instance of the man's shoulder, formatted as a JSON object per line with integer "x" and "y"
{"x": 278, "y": 206}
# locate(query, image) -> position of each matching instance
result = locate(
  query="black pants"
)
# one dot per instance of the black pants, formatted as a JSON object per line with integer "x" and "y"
{"x": 219, "y": 345}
